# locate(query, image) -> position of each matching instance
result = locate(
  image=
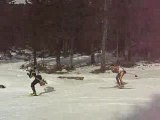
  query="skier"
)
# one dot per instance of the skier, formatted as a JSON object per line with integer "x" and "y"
{"x": 38, "y": 79}
{"x": 120, "y": 73}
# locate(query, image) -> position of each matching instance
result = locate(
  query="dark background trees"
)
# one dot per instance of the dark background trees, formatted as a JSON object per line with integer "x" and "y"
{"x": 65, "y": 27}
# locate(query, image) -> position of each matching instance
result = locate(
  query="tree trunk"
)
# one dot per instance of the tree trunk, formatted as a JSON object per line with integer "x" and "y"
{"x": 93, "y": 58}
{"x": 117, "y": 47}
{"x": 35, "y": 57}
{"x": 71, "y": 59}
{"x": 58, "y": 62}
{"x": 103, "y": 59}
{"x": 129, "y": 55}
{"x": 92, "y": 55}
{"x": 71, "y": 55}
{"x": 43, "y": 52}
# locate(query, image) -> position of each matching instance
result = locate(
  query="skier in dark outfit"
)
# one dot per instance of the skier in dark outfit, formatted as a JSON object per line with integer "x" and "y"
{"x": 38, "y": 79}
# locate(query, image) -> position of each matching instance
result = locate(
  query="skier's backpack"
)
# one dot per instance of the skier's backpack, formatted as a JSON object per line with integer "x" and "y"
{"x": 41, "y": 81}
{"x": 39, "y": 77}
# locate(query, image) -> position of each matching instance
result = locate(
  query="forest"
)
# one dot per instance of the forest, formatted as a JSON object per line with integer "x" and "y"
{"x": 125, "y": 28}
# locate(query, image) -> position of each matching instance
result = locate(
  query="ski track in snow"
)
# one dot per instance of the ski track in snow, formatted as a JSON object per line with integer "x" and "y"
{"x": 90, "y": 99}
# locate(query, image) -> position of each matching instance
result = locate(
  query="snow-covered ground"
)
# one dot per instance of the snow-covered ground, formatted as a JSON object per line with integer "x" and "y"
{"x": 93, "y": 98}
{"x": 20, "y": 2}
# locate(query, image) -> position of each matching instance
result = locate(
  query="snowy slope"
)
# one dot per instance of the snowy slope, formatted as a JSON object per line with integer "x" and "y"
{"x": 90, "y": 99}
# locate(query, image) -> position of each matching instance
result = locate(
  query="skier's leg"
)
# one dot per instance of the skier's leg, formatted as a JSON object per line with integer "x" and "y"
{"x": 118, "y": 79}
{"x": 30, "y": 73}
{"x": 121, "y": 76}
{"x": 33, "y": 86}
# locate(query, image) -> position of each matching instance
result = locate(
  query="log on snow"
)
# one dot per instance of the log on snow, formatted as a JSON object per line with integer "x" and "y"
{"x": 76, "y": 78}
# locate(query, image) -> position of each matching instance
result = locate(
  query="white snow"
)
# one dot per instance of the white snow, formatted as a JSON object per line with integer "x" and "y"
{"x": 20, "y": 2}
{"x": 93, "y": 98}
